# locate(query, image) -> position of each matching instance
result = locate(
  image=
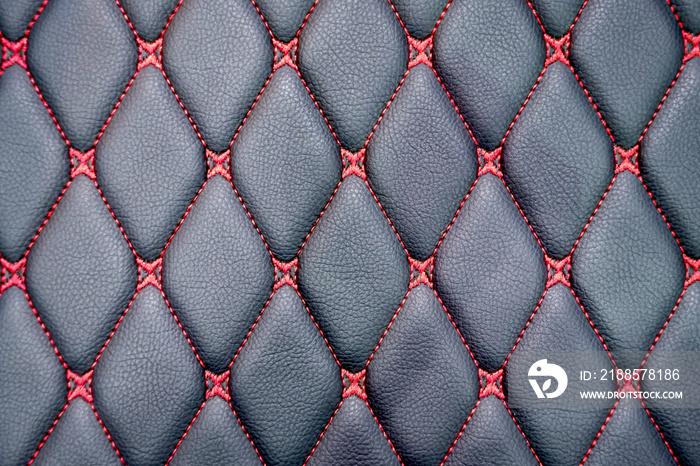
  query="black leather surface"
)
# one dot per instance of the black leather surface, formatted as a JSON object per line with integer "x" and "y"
{"x": 349, "y": 232}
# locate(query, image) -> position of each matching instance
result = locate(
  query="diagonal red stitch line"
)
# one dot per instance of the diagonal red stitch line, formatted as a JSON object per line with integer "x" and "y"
{"x": 600, "y": 432}
{"x": 187, "y": 430}
{"x": 323, "y": 432}
{"x": 461, "y": 431}
{"x": 658, "y": 429}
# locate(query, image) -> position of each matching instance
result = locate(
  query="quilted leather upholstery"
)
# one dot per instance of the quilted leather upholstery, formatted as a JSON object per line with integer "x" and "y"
{"x": 337, "y": 232}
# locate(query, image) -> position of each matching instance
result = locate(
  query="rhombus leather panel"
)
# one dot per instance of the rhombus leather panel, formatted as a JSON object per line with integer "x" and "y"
{"x": 350, "y": 232}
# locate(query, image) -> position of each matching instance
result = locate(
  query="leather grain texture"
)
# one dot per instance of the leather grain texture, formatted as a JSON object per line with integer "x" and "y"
{"x": 337, "y": 232}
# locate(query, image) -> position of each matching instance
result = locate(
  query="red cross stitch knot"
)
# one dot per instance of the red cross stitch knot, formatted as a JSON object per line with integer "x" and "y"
{"x": 491, "y": 383}
{"x": 217, "y": 385}
{"x": 11, "y": 274}
{"x": 149, "y": 273}
{"x": 285, "y": 54}
{"x": 354, "y": 384}
{"x": 83, "y": 163}
{"x": 557, "y": 49}
{"x": 14, "y": 53}
{"x": 150, "y": 53}
{"x": 219, "y": 164}
{"x": 80, "y": 386}
{"x": 421, "y": 51}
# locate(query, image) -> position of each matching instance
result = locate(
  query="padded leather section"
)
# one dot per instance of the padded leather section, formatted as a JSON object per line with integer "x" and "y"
{"x": 678, "y": 423}
{"x": 630, "y": 438}
{"x": 421, "y": 381}
{"x": 668, "y": 158}
{"x": 217, "y": 54}
{"x": 420, "y": 16}
{"x": 33, "y": 383}
{"x": 490, "y": 244}
{"x": 15, "y": 16}
{"x": 627, "y": 54}
{"x": 150, "y": 148}
{"x": 421, "y": 177}
{"x": 354, "y": 437}
{"x": 353, "y": 273}
{"x": 558, "y": 145}
{"x": 80, "y": 274}
{"x": 285, "y": 17}
{"x": 491, "y": 437}
{"x": 146, "y": 415}
{"x": 558, "y": 329}
{"x": 689, "y": 13}
{"x": 34, "y": 155}
{"x": 78, "y": 438}
{"x": 285, "y": 163}
{"x": 353, "y": 54}
{"x": 489, "y": 56}
{"x": 216, "y": 438}
{"x": 82, "y": 55}
{"x": 217, "y": 274}
{"x": 285, "y": 382}
{"x": 149, "y": 18}
{"x": 628, "y": 271}
{"x": 557, "y": 15}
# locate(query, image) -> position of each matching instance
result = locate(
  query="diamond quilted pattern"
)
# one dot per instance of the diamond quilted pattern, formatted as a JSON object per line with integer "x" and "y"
{"x": 422, "y": 382}
{"x": 558, "y": 145}
{"x": 353, "y": 437}
{"x": 81, "y": 54}
{"x": 216, "y": 438}
{"x": 32, "y": 386}
{"x": 285, "y": 17}
{"x": 285, "y": 163}
{"x": 628, "y": 270}
{"x": 439, "y": 158}
{"x": 80, "y": 274}
{"x": 489, "y": 74}
{"x": 149, "y": 139}
{"x": 352, "y": 79}
{"x": 490, "y": 437}
{"x": 353, "y": 290}
{"x": 631, "y": 437}
{"x": 668, "y": 158}
{"x": 149, "y": 18}
{"x": 77, "y": 437}
{"x": 33, "y": 154}
{"x": 298, "y": 232}
{"x": 218, "y": 55}
{"x": 489, "y": 244}
{"x": 557, "y": 15}
{"x": 627, "y": 54}
{"x": 285, "y": 383}
{"x": 558, "y": 328}
{"x": 147, "y": 397}
{"x": 420, "y": 16}
{"x": 217, "y": 274}
{"x": 677, "y": 423}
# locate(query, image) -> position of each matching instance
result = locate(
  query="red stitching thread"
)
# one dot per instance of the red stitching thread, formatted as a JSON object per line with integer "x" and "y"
{"x": 461, "y": 431}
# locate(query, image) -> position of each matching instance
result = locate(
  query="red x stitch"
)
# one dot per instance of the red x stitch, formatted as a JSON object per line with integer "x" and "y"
{"x": 692, "y": 46}
{"x": 219, "y": 164}
{"x": 491, "y": 383}
{"x": 693, "y": 270}
{"x": 557, "y": 49}
{"x": 353, "y": 163}
{"x": 421, "y": 51}
{"x": 489, "y": 161}
{"x": 12, "y": 274}
{"x": 354, "y": 384}
{"x": 148, "y": 273}
{"x": 14, "y": 53}
{"x": 83, "y": 163}
{"x": 285, "y": 273}
{"x": 626, "y": 159}
{"x": 285, "y": 54}
{"x": 558, "y": 271}
{"x": 217, "y": 385}
{"x": 150, "y": 53}
{"x": 421, "y": 272}
{"x": 79, "y": 385}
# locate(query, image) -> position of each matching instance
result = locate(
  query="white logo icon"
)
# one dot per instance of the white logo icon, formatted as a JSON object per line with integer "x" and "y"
{"x": 543, "y": 369}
